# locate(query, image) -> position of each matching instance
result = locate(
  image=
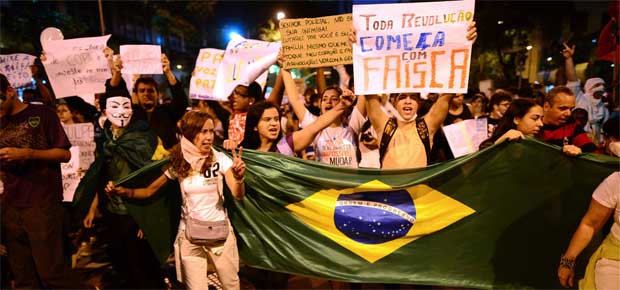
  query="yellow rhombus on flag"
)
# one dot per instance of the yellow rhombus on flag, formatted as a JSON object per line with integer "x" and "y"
{"x": 373, "y": 220}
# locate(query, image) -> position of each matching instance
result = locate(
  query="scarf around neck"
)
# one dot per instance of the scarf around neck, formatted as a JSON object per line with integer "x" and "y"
{"x": 192, "y": 155}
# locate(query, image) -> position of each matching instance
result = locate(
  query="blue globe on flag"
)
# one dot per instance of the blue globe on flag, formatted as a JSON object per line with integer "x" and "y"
{"x": 375, "y": 217}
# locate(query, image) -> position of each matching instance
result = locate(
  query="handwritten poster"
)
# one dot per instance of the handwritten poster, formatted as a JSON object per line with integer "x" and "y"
{"x": 77, "y": 66}
{"x": 70, "y": 172}
{"x": 465, "y": 137}
{"x": 245, "y": 61}
{"x": 316, "y": 42}
{"x": 205, "y": 73}
{"x": 16, "y": 68}
{"x": 82, "y": 135}
{"x": 412, "y": 47}
{"x": 141, "y": 59}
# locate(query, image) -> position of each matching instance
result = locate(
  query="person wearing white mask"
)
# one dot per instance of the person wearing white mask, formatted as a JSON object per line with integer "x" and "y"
{"x": 591, "y": 99}
{"x": 129, "y": 145}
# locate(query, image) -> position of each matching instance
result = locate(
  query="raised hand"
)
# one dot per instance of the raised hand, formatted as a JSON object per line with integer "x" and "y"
{"x": 568, "y": 52}
{"x": 165, "y": 63}
{"x": 471, "y": 34}
{"x": 238, "y": 166}
{"x": 347, "y": 98}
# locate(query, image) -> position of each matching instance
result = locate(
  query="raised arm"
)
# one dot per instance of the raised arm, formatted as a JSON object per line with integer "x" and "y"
{"x": 438, "y": 112}
{"x": 305, "y": 136}
{"x": 293, "y": 95}
{"x": 321, "y": 83}
{"x": 137, "y": 193}
{"x": 275, "y": 97}
{"x": 567, "y": 52}
{"x": 179, "y": 98}
{"x": 235, "y": 175}
{"x": 378, "y": 118}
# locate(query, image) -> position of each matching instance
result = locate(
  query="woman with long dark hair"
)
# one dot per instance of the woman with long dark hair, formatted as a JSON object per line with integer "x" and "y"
{"x": 523, "y": 118}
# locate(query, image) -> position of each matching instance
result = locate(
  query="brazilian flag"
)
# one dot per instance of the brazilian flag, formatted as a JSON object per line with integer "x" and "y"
{"x": 499, "y": 218}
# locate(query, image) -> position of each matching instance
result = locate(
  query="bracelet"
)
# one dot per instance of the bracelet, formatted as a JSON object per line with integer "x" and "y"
{"x": 567, "y": 262}
{"x": 240, "y": 181}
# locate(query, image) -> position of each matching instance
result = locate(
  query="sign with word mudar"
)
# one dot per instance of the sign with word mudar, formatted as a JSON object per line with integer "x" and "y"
{"x": 316, "y": 42}
{"x": 412, "y": 47}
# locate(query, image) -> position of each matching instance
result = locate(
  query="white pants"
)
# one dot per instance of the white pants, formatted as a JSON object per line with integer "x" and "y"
{"x": 607, "y": 274}
{"x": 192, "y": 260}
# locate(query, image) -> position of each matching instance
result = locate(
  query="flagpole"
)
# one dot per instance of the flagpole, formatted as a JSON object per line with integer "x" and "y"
{"x": 101, "y": 17}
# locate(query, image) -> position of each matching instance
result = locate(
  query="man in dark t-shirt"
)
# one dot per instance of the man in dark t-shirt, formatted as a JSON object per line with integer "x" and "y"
{"x": 32, "y": 145}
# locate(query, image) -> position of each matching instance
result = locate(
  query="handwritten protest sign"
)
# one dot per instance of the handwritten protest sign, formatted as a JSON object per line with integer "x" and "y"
{"x": 205, "y": 73}
{"x": 82, "y": 135}
{"x": 77, "y": 66}
{"x": 245, "y": 61}
{"x": 412, "y": 47}
{"x": 465, "y": 137}
{"x": 16, "y": 68}
{"x": 141, "y": 59}
{"x": 70, "y": 174}
{"x": 316, "y": 42}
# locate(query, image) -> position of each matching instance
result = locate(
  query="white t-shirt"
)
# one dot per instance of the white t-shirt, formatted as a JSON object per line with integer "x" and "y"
{"x": 608, "y": 194}
{"x": 334, "y": 146}
{"x": 203, "y": 194}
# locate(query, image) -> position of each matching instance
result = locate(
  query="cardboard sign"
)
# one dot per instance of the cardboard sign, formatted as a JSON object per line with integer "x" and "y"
{"x": 412, "y": 47}
{"x": 316, "y": 42}
{"x": 245, "y": 61}
{"x": 77, "y": 66}
{"x": 465, "y": 137}
{"x": 205, "y": 73}
{"x": 70, "y": 174}
{"x": 141, "y": 59}
{"x": 16, "y": 68}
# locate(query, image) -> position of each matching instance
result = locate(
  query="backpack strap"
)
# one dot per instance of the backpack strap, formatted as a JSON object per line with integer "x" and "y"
{"x": 422, "y": 129}
{"x": 388, "y": 132}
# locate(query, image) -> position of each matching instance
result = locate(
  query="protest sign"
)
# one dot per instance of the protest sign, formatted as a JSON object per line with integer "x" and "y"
{"x": 77, "y": 66}
{"x": 316, "y": 42}
{"x": 412, "y": 47}
{"x": 82, "y": 135}
{"x": 141, "y": 59}
{"x": 245, "y": 61}
{"x": 465, "y": 137}
{"x": 205, "y": 73}
{"x": 16, "y": 68}
{"x": 70, "y": 174}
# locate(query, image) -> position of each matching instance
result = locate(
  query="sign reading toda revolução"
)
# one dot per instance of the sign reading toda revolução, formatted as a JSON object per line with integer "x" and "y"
{"x": 412, "y": 47}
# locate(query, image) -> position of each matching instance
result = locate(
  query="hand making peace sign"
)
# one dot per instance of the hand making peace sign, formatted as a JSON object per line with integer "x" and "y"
{"x": 238, "y": 166}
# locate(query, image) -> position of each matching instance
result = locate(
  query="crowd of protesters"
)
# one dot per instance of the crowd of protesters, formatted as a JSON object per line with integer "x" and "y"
{"x": 328, "y": 124}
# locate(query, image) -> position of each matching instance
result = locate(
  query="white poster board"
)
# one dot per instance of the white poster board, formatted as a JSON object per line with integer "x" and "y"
{"x": 16, "y": 68}
{"x": 205, "y": 73}
{"x": 77, "y": 66}
{"x": 141, "y": 59}
{"x": 245, "y": 61}
{"x": 465, "y": 137}
{"x": 412, "y": 47}
{"x": 70, "y": 174}
{"x": 82, "y": 138}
